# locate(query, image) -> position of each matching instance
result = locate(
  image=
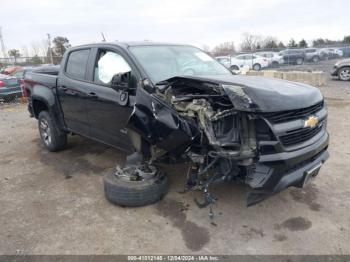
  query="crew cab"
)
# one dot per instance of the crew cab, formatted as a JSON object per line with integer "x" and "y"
{"x": 167, "y": 103}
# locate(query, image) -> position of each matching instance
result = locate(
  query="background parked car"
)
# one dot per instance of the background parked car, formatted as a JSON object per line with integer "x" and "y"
{"x": 345, "y": 50}
{"x": 341, "y": 70}
{"x": 9, "y": 88}
{"x": 331, "y": 52}
{"x": 313, "y": 55}
{"x": 293, "y": 56}
{"x": 273, "y": 58}
{"x": 254, "y": 62}
{"x": 224, "y": 60}
{"x": 11, "y": 70}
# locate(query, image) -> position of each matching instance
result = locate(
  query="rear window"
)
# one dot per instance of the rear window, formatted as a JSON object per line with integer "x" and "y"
{"x": 77, "y": 62}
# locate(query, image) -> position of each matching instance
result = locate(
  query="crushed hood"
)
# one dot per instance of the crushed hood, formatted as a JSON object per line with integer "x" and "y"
{"x": 253, "y": 93}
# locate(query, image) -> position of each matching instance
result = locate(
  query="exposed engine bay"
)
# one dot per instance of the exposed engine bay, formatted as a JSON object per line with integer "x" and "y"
{"x": 207, "y": 131}
{"x": 221, "y": 132}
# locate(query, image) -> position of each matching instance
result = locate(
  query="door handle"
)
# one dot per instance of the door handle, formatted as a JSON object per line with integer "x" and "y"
{"x": 64, "y": 88}
{"x": 92, "y": 95}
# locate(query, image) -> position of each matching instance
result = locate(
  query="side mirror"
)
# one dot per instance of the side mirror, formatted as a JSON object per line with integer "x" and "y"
{"x": 120, "y": 81}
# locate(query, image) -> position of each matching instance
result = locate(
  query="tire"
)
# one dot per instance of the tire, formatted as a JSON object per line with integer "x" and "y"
{"x": 299, "y": 61}
{"x": 275, "y": 64}
{"x": 126, "y": 193}
{"x": 53, "y": 138}
{"x": 234, "y": 67}
{"x": 256, "y": 67}
{"x": 315, "y": 59}
{"x": 344, "y": 73}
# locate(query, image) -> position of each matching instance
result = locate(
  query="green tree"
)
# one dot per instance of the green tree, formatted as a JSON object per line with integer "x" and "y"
{"x": 303, "y": 43}
{"x": 270, "y": 44}
{"x": 35, "y": 60}
{"x": 346, "y": 39}
{"x": 292, "y": 43}
{"x": 281, "y": 45}
{"x": 14, "y": 53}
{"x": 60, "y": 45}
{"x": 318, "y": 42}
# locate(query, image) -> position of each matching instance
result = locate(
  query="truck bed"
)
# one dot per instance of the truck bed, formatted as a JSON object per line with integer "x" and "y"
{"x": 42, "y": 78}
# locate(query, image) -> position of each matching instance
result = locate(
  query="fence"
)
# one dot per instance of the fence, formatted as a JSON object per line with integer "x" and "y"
{"x": 29, "y": 61}
{"x": 279, "y": 57}
{"x": 255, "y": 60}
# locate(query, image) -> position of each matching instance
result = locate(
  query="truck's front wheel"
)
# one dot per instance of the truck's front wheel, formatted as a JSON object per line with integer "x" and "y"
{"x": 52, "y": 137}
{"x": 135, "y": 186}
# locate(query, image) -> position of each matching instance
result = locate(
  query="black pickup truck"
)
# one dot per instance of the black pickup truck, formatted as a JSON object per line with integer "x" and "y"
{"x": 167, "y": 103}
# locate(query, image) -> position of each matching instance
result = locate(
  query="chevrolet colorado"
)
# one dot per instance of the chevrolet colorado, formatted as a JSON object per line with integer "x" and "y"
{"x": 174, "y": 103}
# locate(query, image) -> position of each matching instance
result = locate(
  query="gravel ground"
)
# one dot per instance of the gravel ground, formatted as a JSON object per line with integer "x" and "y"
{"x": 53, "y": 203}
{"x": 334, "y": 88}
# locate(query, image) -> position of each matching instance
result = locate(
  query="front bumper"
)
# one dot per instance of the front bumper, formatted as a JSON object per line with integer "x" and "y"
{"x": 334, "y": 71}
{"x": 276, "y": 172}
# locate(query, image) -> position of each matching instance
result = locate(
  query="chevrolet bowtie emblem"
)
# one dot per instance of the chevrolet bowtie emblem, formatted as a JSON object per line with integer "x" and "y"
{"x": 311, "y": 122}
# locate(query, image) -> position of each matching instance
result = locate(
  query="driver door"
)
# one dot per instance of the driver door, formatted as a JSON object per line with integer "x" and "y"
{"x": 108, "y": 110}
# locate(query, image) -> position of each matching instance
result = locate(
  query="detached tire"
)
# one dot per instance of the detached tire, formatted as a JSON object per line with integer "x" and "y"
{"x": 126, "y": 193}
{"x": 53, "y": 138}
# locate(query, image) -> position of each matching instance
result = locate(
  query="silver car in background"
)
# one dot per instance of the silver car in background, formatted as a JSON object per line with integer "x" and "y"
{"x": 274, "y": 59}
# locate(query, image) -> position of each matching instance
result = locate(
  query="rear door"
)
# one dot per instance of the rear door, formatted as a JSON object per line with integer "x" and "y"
{"x": 72, "y": 91}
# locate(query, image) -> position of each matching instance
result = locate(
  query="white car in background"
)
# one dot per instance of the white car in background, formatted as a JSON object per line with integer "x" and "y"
{"x": 273, "y": 58}
{"x": 224, "y": 60}
{"x": 252, "y": 61}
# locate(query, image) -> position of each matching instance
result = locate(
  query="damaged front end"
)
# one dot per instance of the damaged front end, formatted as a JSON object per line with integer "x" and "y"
{"x": 218, "y": 129}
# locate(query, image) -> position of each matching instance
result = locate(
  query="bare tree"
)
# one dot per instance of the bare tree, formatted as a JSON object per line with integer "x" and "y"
{"x": 250, "y": 42}
{"x": 43, "y": 47}
{"x": 226, "y": 48}
{"x": 35, "y": 46}
{"x": 25, "y": 51}
{"x": 206, "y": 48}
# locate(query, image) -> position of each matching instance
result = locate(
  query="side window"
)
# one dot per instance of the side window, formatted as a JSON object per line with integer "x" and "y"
{"x": 77, "y": 62}
{"x": 108, "y": 64}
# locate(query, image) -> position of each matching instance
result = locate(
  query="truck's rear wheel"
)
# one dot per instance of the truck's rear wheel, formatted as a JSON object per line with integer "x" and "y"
{"x": 135, "y": 186}
{"x": 52, "y": 137}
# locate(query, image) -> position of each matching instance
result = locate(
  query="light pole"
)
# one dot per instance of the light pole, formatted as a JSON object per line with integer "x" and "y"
{"x": 3, "y": 48}
{"x": 50, "y": 50}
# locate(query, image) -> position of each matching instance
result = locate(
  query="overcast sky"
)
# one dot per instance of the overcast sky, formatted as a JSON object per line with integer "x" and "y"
{"x": 195, "y": 22}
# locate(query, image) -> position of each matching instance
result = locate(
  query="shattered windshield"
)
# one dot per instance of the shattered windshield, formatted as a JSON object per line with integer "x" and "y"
{"x": 164, "y": 62}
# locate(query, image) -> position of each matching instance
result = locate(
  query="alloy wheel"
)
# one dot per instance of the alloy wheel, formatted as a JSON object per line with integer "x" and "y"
{"x": 45, "y": 132}
{"x": 344, "y": 74}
